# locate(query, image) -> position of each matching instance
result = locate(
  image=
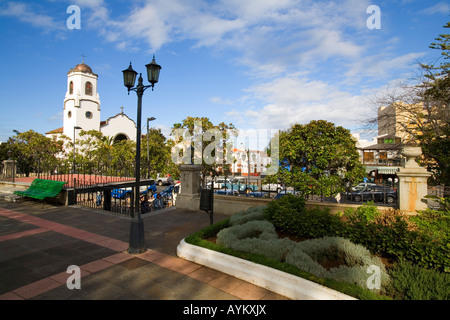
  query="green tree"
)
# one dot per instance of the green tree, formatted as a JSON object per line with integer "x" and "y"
{"x": 90, "y": 147}
{"x": 34, "y": 151}
{"x": 198, "y": 138}
{"x": 321, "y": 157}
{"x": 434, "y": 139}
{"x": 156, "y": 159}
{"x": 123, "y": 158}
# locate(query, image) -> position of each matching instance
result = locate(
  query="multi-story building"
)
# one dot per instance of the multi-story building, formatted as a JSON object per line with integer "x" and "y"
{"x": 396, "y": 127}
{"x": 249, "y": 162}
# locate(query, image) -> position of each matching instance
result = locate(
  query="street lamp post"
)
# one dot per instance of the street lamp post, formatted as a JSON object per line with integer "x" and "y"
{"x": 148, "y": 149}
{"x": 73, "y": 166}
{"x": 137, "y": 241}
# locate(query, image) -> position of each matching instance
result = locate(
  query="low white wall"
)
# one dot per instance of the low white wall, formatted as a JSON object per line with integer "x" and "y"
{"x": 274, "y": 280}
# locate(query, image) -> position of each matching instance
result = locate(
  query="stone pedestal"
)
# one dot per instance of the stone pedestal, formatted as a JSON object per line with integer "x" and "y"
{"x": 9, "y": 168}
{"x": 412, "y": 182}
{"x": 189, "y": 197}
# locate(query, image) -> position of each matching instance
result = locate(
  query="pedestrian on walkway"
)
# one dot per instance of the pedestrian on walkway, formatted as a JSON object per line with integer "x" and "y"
{"x": 158, "y": 203}
{"x": 145, "y": 204}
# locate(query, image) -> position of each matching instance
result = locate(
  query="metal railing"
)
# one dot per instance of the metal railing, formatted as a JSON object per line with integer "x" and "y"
{"x": 255, "y": 187}
{"x": 112, "y": 197}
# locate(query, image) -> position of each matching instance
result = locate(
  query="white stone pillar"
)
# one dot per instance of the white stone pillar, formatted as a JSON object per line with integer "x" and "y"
{"x": 189, "y": 197}
{"x": 412, "y": 182}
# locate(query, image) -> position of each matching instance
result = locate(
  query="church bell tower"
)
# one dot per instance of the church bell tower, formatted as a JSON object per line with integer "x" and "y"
{"x": 82, "y": 102}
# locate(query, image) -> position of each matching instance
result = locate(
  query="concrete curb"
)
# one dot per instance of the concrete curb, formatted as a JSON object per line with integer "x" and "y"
{"x": 274, "y": 280}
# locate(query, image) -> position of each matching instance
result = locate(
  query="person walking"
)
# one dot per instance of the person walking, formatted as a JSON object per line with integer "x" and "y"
{"x": 158, "y": 203}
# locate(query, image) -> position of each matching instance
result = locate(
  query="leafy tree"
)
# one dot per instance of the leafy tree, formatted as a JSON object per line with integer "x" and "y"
{"x": 157, "y": 158}
{"x": 435, "y": 140}
{"x": 33, "y": 151}
{"x": 437, "y": 88}
{"x": 123, "y": 158}
{"x": 89, "y": 147}
{"x": 198, "y": 138}
{"x": 321, "y": 158}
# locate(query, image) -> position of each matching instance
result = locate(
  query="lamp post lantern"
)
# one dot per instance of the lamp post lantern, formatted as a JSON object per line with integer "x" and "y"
{"x": 137, "y": 241}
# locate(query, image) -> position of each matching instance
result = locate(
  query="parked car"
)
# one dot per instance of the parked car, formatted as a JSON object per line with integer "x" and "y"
{"x": 123, "y": 193}
{"x": 286, "y": 192}
{"x": 363, "y": 185}
{"x": 272, "y": 187}
{"x": 227, "y": 192}
{"x": 258, "y": 194}
{"x": 242, "y": 185}
{"x": 375, "y": 193}
{"x": 236, "y": 184}
{"x": 167, "y": 192}
{"x": 219, "y": 183}
{"x": 163, "y": 180}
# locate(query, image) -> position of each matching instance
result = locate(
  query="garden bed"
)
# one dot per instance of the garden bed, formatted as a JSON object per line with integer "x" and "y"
{"x": 327, "y": 264}
{"x": 430, "y": 283}
{"x": 283, "y": 283}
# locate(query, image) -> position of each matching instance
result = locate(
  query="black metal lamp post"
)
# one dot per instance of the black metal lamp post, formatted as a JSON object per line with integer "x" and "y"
{"x": 73, "y": 166}
{"x": 148, "y": 149}
{"x": 137, "y": 241}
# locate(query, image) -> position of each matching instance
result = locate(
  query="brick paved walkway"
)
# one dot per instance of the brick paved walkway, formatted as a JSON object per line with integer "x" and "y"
{"x": 38, "y": 244}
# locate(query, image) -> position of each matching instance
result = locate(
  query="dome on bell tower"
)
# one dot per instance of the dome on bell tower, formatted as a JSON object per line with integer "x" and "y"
{"x": 82, "y": 67}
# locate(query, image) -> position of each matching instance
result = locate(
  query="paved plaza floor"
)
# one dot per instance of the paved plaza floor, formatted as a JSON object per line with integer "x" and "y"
{"x": 38, "y": 243}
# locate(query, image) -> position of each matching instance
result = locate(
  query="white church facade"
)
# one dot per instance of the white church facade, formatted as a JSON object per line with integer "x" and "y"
{"x": 82, "y": 109}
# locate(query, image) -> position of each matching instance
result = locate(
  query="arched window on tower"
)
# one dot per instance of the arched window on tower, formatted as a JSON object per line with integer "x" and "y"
{"x": 88, "y": 89}
{"x": 71, "y": 87}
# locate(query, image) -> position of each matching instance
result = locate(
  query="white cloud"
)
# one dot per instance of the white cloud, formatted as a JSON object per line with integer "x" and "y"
{"x": 380, "y": 66}
{"x": 25, "y": 13}
{"x": 289, "y": 100}
{"x": 296, "y": 32}
{"x": 439, "y": 8}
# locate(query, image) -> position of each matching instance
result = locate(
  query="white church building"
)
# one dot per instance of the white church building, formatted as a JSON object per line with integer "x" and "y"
{"x": 82, "y": 109}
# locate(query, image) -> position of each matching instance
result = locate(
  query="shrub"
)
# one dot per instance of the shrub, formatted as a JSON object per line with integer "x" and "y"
{"x": 255, "y": 213}
{"x": 395, "y": 234}
{"x": 289, "y": 215}
{"x": 355, "y": 258}
{"x": 434, "y": 223}
{"x": 366, "y": 212}
{"x": 257, "y": 237}
{"x": 285, "y": 212}
{"x": 260, "y": 237}
{"x": 316, "y": 223}
{"x": 410, "y": 282}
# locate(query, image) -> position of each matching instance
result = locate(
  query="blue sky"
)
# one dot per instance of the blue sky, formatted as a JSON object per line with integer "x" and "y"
{"x": 258, "y": 64}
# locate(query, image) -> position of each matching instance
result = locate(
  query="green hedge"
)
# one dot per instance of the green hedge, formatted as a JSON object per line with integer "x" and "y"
{"x": 421, "y": 243}
{"x": 411, "y": 282}
{"x": 390, "y": 233}
{"x": 289, "y": 215}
